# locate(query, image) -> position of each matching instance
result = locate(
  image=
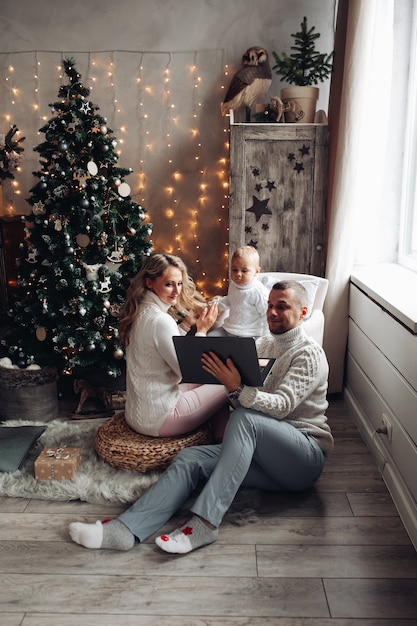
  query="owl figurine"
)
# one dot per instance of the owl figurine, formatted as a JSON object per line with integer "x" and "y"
{"x": 250, "y": 83}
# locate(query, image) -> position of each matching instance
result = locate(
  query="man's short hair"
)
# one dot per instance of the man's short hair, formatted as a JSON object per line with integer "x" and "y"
{"x": 300, "y": 292}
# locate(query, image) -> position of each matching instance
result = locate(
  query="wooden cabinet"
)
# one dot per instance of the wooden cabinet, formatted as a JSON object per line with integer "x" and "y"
{"x": 381, "y": 382}
{"x": 278, "y": 189}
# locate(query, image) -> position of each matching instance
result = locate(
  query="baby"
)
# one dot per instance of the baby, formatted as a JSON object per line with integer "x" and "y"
{"x": 246, "y": 300}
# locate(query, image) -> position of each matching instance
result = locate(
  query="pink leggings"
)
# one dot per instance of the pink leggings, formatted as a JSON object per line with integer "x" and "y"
{"x": 195, "y": 406}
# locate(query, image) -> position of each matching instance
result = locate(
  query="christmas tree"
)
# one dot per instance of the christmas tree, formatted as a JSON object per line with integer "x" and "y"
{"x": 85, "y": 239}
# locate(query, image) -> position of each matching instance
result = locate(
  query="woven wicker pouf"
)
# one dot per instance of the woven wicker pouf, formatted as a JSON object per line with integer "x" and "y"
{"x": 120, "y": 446}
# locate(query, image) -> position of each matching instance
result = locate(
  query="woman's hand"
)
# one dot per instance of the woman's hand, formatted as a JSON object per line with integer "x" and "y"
{"x": 226, "y": 373}
{"x": 207, "y": 317}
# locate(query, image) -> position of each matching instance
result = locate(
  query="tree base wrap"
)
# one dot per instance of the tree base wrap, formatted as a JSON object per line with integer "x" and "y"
{"x": 28, "y": 394}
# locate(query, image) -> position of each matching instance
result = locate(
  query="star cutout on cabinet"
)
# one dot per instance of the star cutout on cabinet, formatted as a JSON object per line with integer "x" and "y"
{"x": 258, "y": 187}
{"x": 259, "y": 208}
{"x": 304, "y": 150}
{"x": 299, "y": 167}
{"x": 270, "y": 185}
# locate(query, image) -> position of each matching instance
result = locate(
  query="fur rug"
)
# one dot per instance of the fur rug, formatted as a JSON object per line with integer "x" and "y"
{"x": 95, "y": 481}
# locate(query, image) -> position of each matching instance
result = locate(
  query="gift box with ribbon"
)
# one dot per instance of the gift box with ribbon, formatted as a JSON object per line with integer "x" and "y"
{"x": 57, "y": 463}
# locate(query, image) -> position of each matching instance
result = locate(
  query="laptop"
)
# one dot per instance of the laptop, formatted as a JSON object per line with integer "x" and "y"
{"x": 242, "y": 351}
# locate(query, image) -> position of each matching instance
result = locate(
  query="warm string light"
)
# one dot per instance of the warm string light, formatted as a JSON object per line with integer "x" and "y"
{"x": 143, "y": 130}
{"x": 10, "y": 187}
{"x": 198, "y": 211}
{"x": 36, "y": 103}
{"x": 172, "y": 206}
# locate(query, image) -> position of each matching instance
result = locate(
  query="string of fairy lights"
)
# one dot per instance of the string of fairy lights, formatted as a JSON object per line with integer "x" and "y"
{"x": 180, "y": 167}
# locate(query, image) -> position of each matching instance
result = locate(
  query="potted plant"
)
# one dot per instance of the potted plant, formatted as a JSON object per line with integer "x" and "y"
{"x": 303, "y": 68}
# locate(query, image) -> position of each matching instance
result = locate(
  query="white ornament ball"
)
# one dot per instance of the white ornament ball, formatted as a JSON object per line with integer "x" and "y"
{"x": 118, "y": 353}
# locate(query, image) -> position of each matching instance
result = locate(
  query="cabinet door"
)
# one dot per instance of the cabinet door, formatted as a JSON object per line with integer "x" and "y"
{"x": 278, "y": 183}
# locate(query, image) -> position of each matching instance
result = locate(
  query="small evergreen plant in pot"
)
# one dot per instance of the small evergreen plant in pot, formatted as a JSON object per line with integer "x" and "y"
{"x": 303, "y": 67}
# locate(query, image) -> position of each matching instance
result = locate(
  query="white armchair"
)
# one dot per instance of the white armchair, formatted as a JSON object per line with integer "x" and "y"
{"x": 316, "y": 288}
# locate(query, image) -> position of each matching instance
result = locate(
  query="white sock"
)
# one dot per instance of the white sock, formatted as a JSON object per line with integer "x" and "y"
{"x": 193, "y": 534}
{"x": 113, "y": 535}
{"x": 87, "y": 535}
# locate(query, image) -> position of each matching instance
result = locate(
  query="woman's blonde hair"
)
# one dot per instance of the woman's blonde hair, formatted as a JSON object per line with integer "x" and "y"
{"x": 155, "y": 266}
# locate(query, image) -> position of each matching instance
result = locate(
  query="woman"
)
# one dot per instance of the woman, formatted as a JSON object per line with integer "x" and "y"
{"x": 157, "y": 403}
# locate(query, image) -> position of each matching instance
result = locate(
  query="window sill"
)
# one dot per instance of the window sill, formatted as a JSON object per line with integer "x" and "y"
{"x": 391, "y": 286}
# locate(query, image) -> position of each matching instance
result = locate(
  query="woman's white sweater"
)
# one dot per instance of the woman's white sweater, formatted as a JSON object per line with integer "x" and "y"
{"x": 152, "y": 372}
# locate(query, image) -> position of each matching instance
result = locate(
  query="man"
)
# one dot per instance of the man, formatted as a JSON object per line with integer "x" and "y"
{"x": 277, "y": 439}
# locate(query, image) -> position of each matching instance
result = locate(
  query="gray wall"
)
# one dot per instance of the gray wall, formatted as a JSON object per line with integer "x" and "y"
{"x": 144, "y": 40}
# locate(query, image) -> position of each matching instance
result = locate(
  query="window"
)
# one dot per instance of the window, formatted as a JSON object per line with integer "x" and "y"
{"x": 408, "y": 226}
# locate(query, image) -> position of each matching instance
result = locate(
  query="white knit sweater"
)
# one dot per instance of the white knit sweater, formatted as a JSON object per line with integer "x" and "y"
{"x": 296, "y": 387}
{"x": 247, "y": 306}
{"x": 152, "y": 369}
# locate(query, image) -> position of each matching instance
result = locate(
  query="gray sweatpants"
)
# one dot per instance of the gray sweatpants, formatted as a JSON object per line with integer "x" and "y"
{"x": 258, "y": 452}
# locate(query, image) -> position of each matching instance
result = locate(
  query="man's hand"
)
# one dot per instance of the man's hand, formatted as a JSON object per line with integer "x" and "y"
{"x": 226, "y": 373}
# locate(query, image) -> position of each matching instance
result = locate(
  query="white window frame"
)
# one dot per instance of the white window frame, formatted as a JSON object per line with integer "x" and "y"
{"x": 407, "y": 249}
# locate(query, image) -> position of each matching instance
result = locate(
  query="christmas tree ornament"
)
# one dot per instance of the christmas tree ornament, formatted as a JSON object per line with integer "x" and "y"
{"x": 83, "y": 203}
{"x": 118, "y": 353}
{"x": 41, "y": 333}
{"x": 92, "y": 168}
{"x": 116, "y": 255}
{"x": 123, "y": 190}
{"x": 82, "y": 240}
{"x": 115, "y": 309}
{"x": 32, "y": 255}
{"x": 39, "y": 208}
{"x": 105, "y": 285}
{"x": 92, "y": 270}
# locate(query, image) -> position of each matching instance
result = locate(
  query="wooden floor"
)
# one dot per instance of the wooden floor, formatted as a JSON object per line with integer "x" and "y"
{"x": 335, "y": 556}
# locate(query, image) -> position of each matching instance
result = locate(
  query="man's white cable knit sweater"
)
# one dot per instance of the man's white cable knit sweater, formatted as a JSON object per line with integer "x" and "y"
{"x": 296, "y": 387}
{"x": 152, "y": 373}
{"x": 247, "y": 306}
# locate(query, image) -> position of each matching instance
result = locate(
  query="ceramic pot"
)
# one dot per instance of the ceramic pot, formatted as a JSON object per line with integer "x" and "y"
{"x": 300, "y": 104}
